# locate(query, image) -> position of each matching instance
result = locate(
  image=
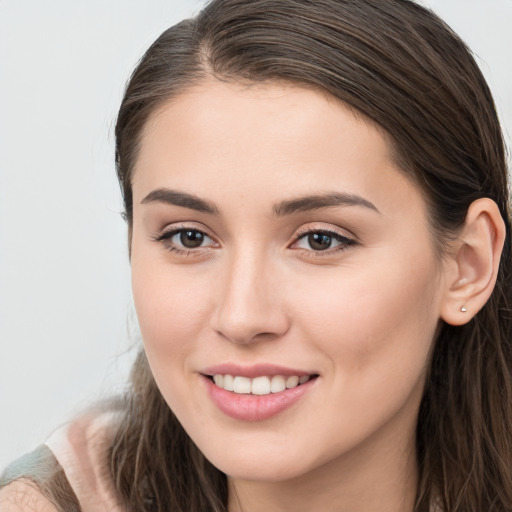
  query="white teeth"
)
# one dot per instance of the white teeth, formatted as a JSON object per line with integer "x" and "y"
{"x": 228, "y": 383}
{"x": 277, "y": 384}
{"x": 292, "y": 382}
{"x": 242, "y": 385}
{"x": 259, "y": 385}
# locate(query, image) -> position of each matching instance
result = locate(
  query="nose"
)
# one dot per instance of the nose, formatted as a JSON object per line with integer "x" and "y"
{"x": 249, "y": 305}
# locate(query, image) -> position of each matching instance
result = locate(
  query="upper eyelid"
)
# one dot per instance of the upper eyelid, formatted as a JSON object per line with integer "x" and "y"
{"x": 176, "y": 228}
{"x": 301, "y": 232}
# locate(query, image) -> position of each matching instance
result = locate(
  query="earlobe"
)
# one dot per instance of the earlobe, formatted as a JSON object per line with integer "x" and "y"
{"x": 475, "y": 261}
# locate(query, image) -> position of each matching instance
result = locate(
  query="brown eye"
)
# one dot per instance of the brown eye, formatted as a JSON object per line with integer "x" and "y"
{"x": 323, "y": 241}
{"x": 319, "y": 241}
{"x": 185, "y": 239}
{"x": 191, "y": 239}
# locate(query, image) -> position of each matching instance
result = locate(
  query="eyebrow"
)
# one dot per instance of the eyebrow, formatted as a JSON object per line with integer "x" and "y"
{"x": 316, "y": 202}
{"x": 288, "y": 207}
{"x": 165, "y": 195}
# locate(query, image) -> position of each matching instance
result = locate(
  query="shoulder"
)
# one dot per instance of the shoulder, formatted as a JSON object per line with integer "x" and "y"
{"x": 36, "y": 483}
{"x": 82, "y": 450}
{"x": 70, "y": 472}
{"x": 23, "y": 495}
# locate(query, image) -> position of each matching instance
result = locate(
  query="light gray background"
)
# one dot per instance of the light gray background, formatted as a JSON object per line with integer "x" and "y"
{"x": 65, "y": 299}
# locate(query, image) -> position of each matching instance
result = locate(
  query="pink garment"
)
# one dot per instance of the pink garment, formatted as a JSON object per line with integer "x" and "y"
{"x": 81, "y": 449}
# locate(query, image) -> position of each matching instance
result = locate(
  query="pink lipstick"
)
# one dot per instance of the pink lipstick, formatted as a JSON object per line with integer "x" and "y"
{"x": 257, "y": 392}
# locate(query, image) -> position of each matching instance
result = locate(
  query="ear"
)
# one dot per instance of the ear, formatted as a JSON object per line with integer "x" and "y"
{"x": 472, "y": 266}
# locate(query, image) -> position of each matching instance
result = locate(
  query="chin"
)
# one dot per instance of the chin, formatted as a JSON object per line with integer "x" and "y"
{"x": 261, "y": 461}
{"x": 260, "y": 470}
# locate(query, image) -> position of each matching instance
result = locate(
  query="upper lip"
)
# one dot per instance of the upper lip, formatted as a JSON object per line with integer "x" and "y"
{"x": 252, "y": 371}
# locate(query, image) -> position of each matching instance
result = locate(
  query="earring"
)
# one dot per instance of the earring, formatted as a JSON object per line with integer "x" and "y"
{"x": 463, "y": 309}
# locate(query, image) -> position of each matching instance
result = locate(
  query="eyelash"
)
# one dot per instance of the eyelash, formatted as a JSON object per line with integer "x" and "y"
{"x": 344, "y": 242}
{"x": 166, "y": 237}
{"x": 166, "y": 240}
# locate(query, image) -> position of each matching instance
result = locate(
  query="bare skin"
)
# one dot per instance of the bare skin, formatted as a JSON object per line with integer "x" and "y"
{"x": 347, "y": 290}
{"x": 24, "y": 496}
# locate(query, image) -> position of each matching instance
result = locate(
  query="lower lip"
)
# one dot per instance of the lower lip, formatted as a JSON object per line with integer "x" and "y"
{"x": 255, "y": 407}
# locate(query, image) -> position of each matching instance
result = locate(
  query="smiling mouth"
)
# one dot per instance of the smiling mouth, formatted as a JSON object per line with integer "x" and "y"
{"x": 263, "y": 385}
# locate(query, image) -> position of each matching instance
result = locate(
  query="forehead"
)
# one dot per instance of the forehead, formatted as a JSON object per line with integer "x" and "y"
{"x": 211, "y": 98}
{"x": 218, "y": 136}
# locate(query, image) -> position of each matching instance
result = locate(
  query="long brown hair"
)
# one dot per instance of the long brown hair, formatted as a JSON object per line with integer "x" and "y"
{"x": 400, "y": 66}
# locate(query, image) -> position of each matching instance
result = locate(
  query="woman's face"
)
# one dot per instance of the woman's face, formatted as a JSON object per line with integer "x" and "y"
{"x": 274, "y": 239}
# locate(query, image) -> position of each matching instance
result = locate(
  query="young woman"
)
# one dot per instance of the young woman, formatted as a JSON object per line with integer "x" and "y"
{"x": 317, "y": 202}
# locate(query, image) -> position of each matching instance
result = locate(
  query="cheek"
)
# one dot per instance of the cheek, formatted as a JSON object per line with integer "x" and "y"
{"x": 171, "y": 311}
{"x": 376, "y": 328}
{"x": 172, "y": 307}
